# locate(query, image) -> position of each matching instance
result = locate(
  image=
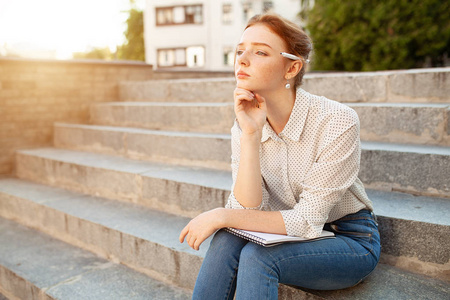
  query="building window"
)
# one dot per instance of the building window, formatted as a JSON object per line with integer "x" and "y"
{"x": 195, "y": 57}
{"x": 267, "y": 6}
{"x": 247, "y": 10}
{"x": 181, "y": 57}
{"x": 183, "y": 14}
{"x": 228, "y": 56}
{"x": 227, "y": 14}
{"x": 166, "y": 58}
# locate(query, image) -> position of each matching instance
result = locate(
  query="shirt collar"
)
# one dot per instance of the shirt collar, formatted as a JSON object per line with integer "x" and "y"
{"x": 294, "y": 126}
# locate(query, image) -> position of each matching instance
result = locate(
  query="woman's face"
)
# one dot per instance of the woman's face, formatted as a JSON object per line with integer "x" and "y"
{"x": 259, "y": 67}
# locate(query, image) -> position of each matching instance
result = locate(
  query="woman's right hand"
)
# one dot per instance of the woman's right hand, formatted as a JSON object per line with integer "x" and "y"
{"x": 251, "y": 111}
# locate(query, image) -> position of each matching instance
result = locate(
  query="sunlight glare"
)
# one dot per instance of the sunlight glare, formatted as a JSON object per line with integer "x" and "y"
{"x": 62, "y": 26}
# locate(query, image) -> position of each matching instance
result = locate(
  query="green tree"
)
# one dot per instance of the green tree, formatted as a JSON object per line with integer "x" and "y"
{"x": 96, "y": 53}
{"x": 367, "y": 35}
{"x": 134, "y": 48}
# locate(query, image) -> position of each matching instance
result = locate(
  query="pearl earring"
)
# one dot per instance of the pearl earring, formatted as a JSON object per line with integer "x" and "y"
{"x": 288, "y": 85}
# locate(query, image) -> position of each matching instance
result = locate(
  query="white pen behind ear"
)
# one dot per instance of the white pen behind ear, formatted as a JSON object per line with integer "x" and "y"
{"x": 292, "y": 56}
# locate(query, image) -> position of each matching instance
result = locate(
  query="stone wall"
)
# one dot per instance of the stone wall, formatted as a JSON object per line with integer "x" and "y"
{"x": 36, "y": 93}
{"x": 179, "y": 74}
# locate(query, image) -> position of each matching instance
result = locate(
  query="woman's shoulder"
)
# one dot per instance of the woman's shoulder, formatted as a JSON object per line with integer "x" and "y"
{"x": 325, "y": 108}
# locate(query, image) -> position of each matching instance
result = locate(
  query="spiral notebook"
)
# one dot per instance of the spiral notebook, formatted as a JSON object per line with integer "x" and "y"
{"x": 270, "y": 239}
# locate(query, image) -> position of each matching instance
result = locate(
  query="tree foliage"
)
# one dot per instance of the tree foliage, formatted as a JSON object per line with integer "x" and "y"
{"x": 367, "y": 35}
{"x": 134, "y": 48}
{"x": 96, "y": 53}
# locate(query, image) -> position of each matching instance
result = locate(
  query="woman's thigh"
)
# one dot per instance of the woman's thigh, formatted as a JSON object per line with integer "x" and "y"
{"x": 324, "y": 264}
{"x": 217, "y": 276}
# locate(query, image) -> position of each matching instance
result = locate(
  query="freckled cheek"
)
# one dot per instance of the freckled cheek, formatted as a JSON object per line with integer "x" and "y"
{"x": 269, "y": 74}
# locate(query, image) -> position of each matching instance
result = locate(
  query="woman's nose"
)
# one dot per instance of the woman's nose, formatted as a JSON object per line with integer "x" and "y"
{"x": 243, "y": 59}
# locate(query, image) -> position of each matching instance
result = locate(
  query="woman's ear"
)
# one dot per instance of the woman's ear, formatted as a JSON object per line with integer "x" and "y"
{"x": 294, "y": 69}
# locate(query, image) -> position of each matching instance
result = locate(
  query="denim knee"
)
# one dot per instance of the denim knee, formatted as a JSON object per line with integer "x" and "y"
{"x": 258, "y": 276}
{"x": 256, "y": 257}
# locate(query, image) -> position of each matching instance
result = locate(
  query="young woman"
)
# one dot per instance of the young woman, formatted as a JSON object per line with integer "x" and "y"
{"x": 295, "y": 161}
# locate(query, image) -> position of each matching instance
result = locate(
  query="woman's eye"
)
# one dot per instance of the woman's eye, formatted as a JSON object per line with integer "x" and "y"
{"x": 261, "y": 53}
{"x": 239, "y": 52}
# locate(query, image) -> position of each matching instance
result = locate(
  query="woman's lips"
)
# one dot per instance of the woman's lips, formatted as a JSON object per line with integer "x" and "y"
{"x": 242, "y": 75}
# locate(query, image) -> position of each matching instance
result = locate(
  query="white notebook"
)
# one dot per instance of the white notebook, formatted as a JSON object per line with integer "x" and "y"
{"x": 270, "y": 239}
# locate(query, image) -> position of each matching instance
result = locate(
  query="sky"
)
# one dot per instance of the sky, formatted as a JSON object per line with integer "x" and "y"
{"x": 40, "y": 28}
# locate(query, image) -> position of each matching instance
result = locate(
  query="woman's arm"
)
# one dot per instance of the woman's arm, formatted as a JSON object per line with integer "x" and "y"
{"x": 251, "y": 114}
{"x": 247, "y": 189}
{"x": 205, "y": 224}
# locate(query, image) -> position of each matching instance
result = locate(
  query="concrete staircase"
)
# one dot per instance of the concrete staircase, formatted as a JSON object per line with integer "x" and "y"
{"x": 98, "y": 215}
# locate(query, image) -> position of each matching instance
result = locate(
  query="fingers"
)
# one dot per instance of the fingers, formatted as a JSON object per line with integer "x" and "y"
{"x": 183, "y": 233}
{"x": 243, "y": 95}
{"x": 192, "y": 241}
{"x": 197, "y": 243}
{"x": 261, "y": 101}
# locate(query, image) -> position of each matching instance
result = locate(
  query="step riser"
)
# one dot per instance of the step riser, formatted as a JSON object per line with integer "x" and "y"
{"x": 174, "y": 197}
{"x": 181, "y": 198}
{"x": 218, "y": 119}
{"x": 143, "y": 255}
{"x": 393, "y": 86}
{"x": 405, "y": 250}
{"x": 413, "y": 125}
{"x": 417, "y": 86}
{"x": 397, "y": 124}
{"x": 416, "y": 173}
{"x": 414, "y": 238}
{"x": 16, "y": 287}
{"x": 422, "y": 174}
{"x": 180, "y": 150}
{"x": 178, "y": 91}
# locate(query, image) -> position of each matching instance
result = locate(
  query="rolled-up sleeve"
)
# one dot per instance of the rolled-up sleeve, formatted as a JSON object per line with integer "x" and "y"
{"x": 335, "y": 169}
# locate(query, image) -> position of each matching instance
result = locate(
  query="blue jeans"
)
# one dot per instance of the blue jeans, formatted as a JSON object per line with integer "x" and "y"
{"x": 233, "y": 264}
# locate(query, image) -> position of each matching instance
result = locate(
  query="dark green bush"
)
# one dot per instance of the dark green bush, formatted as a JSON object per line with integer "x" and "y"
{"x": 367, "y": 35}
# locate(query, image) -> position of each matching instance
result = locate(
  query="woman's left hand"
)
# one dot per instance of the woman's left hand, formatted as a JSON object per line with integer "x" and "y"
{"x": 201, "y": 227}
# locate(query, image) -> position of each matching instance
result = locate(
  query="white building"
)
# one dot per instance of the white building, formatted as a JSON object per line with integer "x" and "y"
{"x": 202, "y": 34}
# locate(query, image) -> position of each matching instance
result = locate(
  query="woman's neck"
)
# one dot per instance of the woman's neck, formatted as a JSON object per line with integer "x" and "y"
{"x": 279, "y": 107}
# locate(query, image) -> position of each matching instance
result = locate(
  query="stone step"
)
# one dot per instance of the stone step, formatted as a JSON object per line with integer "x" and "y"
{"x": 190, "y": 191}
{"x": 147, "y": 240}
{"x": 186, "y": 191}
{"x": 189, "y": 117}
{"x": 186, "y": 148}
{"x": 179, "y": 90}
{"x": 409, "y": 168}
{"x": 418, "y": 85}
{"x": 384, "y": 283}
{"x": 34, "y": 265}
{"x": 380, "y": 122}
{"x": 404, "y": 122}
{"x": 415, "y": 169}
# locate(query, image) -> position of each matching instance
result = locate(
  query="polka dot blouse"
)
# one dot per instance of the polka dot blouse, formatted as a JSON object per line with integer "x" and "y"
{"x": 310, "y": 170}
